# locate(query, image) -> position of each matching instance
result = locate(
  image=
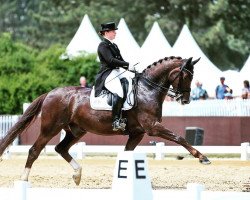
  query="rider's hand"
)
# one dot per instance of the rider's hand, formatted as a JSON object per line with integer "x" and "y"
{"x": 131, "y": 67}
{"x": 125, "y": 67}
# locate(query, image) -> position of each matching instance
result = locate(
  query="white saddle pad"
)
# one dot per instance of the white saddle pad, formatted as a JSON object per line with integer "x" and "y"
{"x": 100, "y": 102}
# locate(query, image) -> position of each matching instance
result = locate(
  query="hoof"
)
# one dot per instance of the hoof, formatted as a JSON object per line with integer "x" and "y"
{"x": 179, "y": 157}
{"x": 1, "y": 159}
{"x": 77, "y": 176}
{"x": 204, "y": 160}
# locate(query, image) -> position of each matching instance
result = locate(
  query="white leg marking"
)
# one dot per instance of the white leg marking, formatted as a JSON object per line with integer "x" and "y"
{"x": 74, "y": 164}
{"x": 77, "y": 171}
{"x": 25, "y": 174}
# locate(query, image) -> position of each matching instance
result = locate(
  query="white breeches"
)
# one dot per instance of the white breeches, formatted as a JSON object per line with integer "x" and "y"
{"x": 112, "y": 82}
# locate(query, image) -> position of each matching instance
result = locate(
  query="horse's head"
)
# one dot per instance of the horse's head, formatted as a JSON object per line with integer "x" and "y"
{"x": 180, "y": 78}
{"x": 171, "y": 71}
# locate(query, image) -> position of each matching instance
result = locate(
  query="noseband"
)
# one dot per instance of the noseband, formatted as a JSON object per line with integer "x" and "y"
{"x": 178, "y": 93}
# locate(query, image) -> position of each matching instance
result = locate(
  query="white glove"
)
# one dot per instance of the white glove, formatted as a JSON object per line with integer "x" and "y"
{"x": 131, "y": 67}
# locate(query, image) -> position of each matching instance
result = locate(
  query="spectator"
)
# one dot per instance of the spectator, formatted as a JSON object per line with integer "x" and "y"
{"x": 198, "y": 92}
{"x": 83, "y": 81}
{"x": 228, "y": 94}
{"x": 246, "y": 90}
{"x": 221, "y": 89}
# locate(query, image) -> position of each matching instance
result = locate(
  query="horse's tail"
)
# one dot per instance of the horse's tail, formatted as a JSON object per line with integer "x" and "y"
{"x": 31, "y": 113}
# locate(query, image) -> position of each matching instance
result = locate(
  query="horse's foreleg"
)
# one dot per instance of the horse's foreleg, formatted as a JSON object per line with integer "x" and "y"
{"x": 63, "y": 149}
{"x": 160, "y": 131}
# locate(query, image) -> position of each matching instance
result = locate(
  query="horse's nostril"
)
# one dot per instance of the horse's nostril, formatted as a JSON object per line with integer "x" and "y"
{"x": 185, "y": 101}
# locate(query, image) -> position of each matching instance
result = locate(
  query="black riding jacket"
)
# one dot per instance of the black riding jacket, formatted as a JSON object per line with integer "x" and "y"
{"x": 110, "y": 58}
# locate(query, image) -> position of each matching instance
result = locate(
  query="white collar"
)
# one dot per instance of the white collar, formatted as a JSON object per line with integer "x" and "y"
{"x": 109, "y": 40}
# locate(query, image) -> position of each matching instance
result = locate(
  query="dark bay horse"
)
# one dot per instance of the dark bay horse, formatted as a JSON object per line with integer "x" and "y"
{"x": 69, "y": 108}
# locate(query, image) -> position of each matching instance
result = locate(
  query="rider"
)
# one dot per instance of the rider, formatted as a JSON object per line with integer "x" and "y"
{"x": 109, "y": 75}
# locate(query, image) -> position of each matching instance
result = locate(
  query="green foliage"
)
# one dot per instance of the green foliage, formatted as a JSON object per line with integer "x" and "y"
{"x": 41, "y": 23}
{"x": 32, "y": 66}
{"x": 82, "y": 66}
{"x": 69, "y": 71}
{"x": 27, "y": 74}
{"x": 15, "y": 57}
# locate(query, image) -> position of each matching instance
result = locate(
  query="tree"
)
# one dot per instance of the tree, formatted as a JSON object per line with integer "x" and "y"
{"x": 219, "y": 26}
{"x": 26, "y": 74}
{"x": 16, "y": 63}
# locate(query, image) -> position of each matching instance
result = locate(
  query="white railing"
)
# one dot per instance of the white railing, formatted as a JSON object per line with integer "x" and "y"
{"x": 159, "y": 150}
{"x": 22, "y": 191}
{"x": 210, "y": 107}
{"x": 121, "y": 188}
{"x": 6, "y": 122}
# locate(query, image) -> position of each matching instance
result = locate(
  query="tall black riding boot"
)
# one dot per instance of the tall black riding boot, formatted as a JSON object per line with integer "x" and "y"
{"x": 118, "y": 123}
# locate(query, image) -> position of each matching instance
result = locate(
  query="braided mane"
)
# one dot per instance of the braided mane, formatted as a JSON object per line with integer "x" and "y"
{"x": 160, "y": 61}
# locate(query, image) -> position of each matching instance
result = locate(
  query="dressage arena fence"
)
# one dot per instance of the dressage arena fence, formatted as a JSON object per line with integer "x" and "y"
{"x": 22, "y": 191}
{"x": 130, "y": 182}
{"x": 159, "y": 150}
{"x": 194, "y": 191}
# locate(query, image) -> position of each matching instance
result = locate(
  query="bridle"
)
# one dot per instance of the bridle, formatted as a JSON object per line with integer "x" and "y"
{"x": 174, "y": 93}
{"x": 178, "y": 93}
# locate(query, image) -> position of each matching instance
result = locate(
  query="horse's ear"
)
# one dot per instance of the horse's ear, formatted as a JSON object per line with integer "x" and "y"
{"x": 195, "y": 61}
{"x": 189, "y": 61}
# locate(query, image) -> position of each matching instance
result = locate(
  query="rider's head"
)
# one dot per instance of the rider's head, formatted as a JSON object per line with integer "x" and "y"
{"x": 108, "y": 30}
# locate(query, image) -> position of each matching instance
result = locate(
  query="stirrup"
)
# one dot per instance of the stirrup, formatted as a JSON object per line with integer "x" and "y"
{"x": 123, "y": 123}
{"x": 119, "y": 124}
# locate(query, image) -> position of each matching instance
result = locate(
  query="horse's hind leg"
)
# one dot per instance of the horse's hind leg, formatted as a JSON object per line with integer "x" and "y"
{"x": 63, "y": 149}
{"x": 160, "y": 131}
{"x": 37, "y": 147}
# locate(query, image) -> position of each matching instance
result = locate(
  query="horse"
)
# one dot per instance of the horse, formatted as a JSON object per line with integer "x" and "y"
{"x": 69, "y": 108}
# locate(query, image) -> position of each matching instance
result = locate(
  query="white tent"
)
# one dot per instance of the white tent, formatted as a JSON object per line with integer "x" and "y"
{"x": 245, "y": 71}
{"x": 126, "y": 43}
{"x": 205, "y": 71}
{"x": 155, "y": 46}
{"x": 85, "y": 40}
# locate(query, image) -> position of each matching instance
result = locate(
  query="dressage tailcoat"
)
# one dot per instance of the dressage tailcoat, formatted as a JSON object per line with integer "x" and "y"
{"x": 110, "y": 58}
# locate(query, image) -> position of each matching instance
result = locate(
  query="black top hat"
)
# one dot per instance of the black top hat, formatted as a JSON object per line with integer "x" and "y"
{"x": 108, "y": 27}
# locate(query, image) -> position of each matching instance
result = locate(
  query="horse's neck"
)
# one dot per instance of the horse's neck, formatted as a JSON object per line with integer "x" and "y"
{"x": 159, "y": 73}
{"x": 150, "y": 99}
{"x": 155, "y": 86}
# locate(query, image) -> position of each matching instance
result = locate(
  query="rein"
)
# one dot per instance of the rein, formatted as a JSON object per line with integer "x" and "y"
{"x": 159, "y": 88}
{"x": 170, "y": 92}
{"x": 177, "y": 94}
